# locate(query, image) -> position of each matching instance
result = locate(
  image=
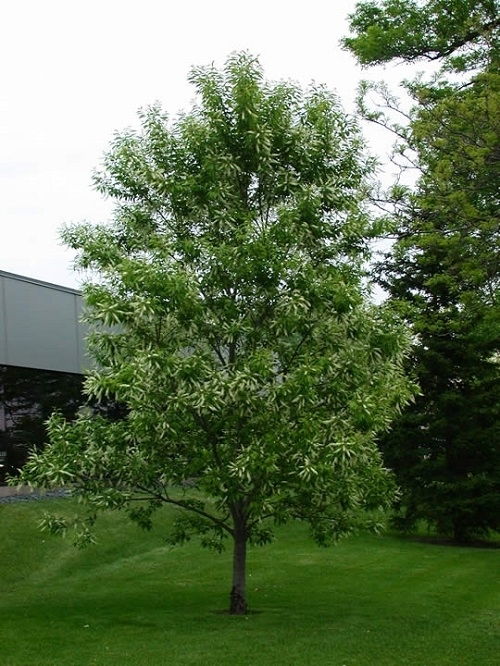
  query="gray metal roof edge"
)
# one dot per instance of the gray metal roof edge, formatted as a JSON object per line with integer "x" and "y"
{"x": 41, "y": 283}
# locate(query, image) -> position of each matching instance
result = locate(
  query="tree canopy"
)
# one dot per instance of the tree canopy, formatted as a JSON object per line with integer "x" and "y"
{"x": 461, "y": 32}
{"x": 230, "y": 320}
{"x": 443, "y": 267}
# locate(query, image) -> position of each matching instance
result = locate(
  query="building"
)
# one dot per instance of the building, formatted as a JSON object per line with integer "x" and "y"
{"x": 42, "y": 356}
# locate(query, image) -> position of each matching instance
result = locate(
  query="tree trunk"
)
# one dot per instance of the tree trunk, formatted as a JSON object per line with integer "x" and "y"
{"x": 460, "y": 533}
{"x": 237, "y": 598}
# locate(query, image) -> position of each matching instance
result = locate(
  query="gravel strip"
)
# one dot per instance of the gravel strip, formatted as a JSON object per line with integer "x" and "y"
{"x": 35, "y": 496}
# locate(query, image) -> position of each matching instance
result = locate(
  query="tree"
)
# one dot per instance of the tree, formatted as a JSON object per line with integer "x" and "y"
{"x": 462, "y": 33}
{"x": 232, "y": 323}
{"x": 443, "y": 267}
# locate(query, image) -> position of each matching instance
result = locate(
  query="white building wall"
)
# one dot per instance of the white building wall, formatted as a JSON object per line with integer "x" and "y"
{"x": 39, "y": 325}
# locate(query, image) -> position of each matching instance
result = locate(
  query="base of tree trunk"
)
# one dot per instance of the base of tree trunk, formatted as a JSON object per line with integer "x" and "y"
{"x": 237, "y": 603}
{"x": 461, "y": 539}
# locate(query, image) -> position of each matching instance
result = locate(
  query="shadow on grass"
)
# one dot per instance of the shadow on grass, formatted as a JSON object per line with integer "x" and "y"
{"x": 447, "y": 541}
{"x": 224, "y": 611}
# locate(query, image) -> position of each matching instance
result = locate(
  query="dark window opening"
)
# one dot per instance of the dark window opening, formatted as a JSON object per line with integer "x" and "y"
{"x": 27, "y": 398}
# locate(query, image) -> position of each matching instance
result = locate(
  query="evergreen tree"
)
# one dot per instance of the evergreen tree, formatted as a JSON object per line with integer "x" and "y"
{"x": 443, "y": 267}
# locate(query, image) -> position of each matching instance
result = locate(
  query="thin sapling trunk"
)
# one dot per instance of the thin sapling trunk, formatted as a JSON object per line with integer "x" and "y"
{"x": 237, "y": 598}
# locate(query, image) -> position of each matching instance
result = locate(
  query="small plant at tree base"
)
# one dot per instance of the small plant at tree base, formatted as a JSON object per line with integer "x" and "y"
{"x": 230, "y": 319}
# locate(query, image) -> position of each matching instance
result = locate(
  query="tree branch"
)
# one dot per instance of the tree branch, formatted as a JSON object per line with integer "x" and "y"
{"x": 169, "y": 500}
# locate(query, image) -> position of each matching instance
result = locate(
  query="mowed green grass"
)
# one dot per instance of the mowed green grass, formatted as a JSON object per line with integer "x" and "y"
{"x": 131, "y": 599}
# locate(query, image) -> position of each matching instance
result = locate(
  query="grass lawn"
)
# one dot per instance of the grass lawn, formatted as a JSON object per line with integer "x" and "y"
{"x": 132, "y": 600}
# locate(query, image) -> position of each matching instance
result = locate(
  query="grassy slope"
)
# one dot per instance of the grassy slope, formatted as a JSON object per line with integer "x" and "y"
{"x": 131, "y": 600}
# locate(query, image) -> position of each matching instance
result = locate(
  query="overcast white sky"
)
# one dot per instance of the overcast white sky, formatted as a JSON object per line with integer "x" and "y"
{"x": 73, "y": 72}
